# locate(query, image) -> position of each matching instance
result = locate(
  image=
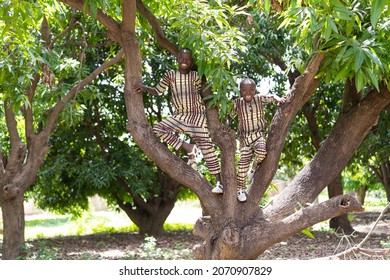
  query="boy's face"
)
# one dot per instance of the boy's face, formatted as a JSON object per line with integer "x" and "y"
{"x": 247, "y": 91}
{"x": 184, "y": 60}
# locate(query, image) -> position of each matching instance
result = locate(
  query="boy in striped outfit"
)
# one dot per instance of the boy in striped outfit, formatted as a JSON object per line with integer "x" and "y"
{"x": 189, "y": 116}
{"x": 251, "y": 130}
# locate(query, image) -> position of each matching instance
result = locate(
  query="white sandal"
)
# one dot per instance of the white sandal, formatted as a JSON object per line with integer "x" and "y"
{"x": 192, "y": 161}
{"x": 195, "y": 150}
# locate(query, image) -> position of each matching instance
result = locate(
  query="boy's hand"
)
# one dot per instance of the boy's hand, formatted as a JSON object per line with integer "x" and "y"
{"x": 225, "y": 128}
{"x": 138, "y": 87}
{"x": 281, "y": 100}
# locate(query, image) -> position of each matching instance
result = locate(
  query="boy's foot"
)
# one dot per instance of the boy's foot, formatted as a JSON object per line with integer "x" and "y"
{"x": 192, "y": 157}
{"x": 241, "y": 195}
{"x": 218, "y": 188}
{"x": 195, "y": 150}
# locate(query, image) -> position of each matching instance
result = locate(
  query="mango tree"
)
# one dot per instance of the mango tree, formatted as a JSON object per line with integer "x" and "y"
{"x": 42, "y": 71}
{"x": 343, "y": 41}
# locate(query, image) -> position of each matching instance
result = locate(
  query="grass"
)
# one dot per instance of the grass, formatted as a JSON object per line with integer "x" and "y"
{"x": 39, "y": 226}
{"x": 47, "y": 225}
{"x": 50, "y": 225}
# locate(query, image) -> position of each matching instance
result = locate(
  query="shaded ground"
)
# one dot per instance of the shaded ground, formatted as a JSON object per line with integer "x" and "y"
{"x": 178, "y": 245}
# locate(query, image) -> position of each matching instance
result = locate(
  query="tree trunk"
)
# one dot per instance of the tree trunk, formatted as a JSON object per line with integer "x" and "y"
{"x": 385, "y": 170}
{"x": 150, "y": 215}
{"x": 361, "y": 193}
{"x": 13, "y": 226}
{"x": 13, "y": 186}
{"x": 342, "y": 223}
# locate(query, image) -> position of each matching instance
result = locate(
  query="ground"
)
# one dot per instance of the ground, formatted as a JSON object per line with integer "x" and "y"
{"x": 179, "y": 244}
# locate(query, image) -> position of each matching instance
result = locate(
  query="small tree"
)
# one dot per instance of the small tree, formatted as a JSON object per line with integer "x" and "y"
{"x": 42, "y": 71}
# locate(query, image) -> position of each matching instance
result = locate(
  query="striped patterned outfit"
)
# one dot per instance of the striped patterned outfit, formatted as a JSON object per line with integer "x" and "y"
{"x": 251, "y": 130}
{"x": 189, "y": 116}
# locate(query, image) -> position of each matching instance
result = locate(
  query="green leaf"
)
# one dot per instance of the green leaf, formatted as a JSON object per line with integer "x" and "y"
{"x": 359, "y": 59}
{"x": 342, "y": 74}
{"x": 332, "y": 25}
{"x": 359, "y": 80}
{"x": 267, "y": 6}
{"x": 373, "y": 57}
{"x": 372, "y": 76}
{"x": 328, "y": 30}
{"x": 343, "y": 13}
{"x": 376, "y": 10}
{"x": 340, "y": 55}
{"x": 308, "y": 233}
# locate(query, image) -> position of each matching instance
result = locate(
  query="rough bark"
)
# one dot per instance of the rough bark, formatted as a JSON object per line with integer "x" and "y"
{"x": 238, "y": 241}
{"x": 13, "y": 226}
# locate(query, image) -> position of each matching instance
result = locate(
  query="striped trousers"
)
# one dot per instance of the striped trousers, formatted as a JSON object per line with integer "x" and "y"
{"x": 257, "y": 148}
{"x": 168, "y": 130}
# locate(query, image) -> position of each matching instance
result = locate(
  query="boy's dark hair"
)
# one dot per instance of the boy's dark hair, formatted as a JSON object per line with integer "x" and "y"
{"x": 248, "y": 81}
{"x": 185, "y": 49}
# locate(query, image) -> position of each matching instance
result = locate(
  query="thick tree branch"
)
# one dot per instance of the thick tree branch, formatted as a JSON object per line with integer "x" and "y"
{"x": 298, "y": 95}
{"x": 162, "y": 40}
{"x": 144, "y": 135}
{"x": 227, "y": 145}
{"x": 348, "y": 133}
{"x": 295, "y": 223}
{"x": 18, "y": 149}
{"x": 128, "y": 13}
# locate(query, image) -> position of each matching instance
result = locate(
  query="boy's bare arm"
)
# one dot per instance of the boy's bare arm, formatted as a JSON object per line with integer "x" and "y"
{"x": 139, "y": 88}
{"x": 279, "y": 100}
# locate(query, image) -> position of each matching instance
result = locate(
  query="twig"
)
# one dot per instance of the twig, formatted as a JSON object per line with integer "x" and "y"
{"x": 358, "y": 248}
{"x": 373, "y": 227}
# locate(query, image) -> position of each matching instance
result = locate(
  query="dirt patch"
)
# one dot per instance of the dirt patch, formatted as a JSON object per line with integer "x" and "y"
{"x": 179, "y": 244}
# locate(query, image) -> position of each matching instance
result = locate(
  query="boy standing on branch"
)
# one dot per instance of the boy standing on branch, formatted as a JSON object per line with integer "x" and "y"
{"x": 251, "y": 131}
{"x": 189, "y": 116}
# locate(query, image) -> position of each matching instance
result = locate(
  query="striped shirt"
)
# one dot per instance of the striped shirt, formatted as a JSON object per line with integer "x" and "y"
{"x": 251, "y": 121}
{"x": 186, "y": 96}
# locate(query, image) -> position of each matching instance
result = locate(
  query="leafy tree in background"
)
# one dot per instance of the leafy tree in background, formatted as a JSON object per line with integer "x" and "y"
{"x": 42, "y": 72}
